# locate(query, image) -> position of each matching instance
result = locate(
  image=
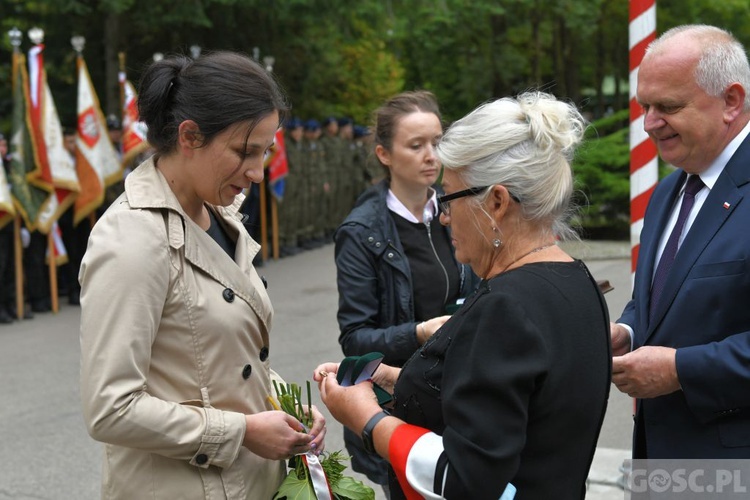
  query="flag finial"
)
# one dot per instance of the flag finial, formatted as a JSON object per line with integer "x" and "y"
{"x": 36, "y": 35}
{"x": 78, "y": 42}
{"x": 15, "y": 36}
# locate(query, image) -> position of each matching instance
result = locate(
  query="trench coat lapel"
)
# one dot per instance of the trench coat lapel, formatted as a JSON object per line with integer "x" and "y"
{"x": 202, "y": 251}
{"x": 147, "y": 188}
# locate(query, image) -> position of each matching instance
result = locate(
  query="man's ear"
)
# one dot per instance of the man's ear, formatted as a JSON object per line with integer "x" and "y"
{"x": 189, "y": 135}
{"x": 734, "y": 101}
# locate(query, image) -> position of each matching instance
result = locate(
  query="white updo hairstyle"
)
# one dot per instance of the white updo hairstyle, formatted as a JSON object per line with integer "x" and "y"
{"x": 526, "y": 144}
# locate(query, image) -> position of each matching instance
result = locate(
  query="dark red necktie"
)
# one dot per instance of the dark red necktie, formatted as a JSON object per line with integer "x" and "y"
{"x": 694, "y": 184}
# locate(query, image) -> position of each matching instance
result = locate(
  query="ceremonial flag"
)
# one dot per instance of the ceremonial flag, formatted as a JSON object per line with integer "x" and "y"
{"x": 55, "y": 164}
{"x": 96, "y": 159}
{"x": 7, "y": 212}
{"x": 133, "y": 130}
{"x": 278, "y": 166}
{"x": 30, "y": 192}
{"x": 60, "y": 254}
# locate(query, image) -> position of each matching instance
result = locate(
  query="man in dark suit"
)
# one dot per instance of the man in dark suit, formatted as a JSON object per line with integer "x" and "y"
{"x": 682, "y": 345}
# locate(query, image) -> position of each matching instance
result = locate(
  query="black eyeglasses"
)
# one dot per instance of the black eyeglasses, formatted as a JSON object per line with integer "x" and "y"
{"x": 444, "y": 202}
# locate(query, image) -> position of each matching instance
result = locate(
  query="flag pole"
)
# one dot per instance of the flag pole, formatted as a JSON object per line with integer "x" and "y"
{"x": 52, "y": 270}
{"x": 36, "y": 35}
{"x": 263, "y": 222}
{"x": 121, "y": 80}
{"x": 19, "y": 266}
{"x": 275, "y": 227}
{"x": 15, "y": 36}
{"x": 644, "y": 165}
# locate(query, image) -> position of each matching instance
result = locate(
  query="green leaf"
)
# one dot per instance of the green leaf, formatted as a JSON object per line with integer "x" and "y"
{"x": 351, "y": 489}
{"x": 295, "y": 489}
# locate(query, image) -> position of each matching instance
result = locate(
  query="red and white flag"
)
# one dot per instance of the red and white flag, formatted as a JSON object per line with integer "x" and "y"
{"x": 133, "y": 130}
{"x": 55, "y": 165}
{"x": 96, "y": 159}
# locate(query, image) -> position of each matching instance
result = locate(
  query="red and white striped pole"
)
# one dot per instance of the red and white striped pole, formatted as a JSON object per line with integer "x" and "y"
{"x": 644, "y": 166}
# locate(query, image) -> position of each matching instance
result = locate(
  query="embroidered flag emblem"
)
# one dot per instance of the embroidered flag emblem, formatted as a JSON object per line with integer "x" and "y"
{"x": 726, "y": 205}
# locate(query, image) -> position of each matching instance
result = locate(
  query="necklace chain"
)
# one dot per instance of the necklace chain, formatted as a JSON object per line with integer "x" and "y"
{"x": 533, "y": 250}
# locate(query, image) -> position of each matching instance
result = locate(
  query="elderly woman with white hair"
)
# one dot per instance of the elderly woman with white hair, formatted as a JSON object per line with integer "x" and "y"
{"x": 510, "y": 394}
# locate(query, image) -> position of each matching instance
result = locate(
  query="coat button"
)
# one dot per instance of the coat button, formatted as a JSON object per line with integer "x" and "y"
{"x": 246, "y": 371}
{"x": 228, "y": 294}
{"x": 201, "y": 459}
{"x": 390, "y": 255}
{"x": 264, "y": 353}
{"x": 377, "y": 245}
{"x": 265, "y": 282}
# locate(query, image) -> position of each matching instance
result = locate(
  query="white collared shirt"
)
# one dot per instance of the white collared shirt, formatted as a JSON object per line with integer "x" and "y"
{"x": 429, "y": 212}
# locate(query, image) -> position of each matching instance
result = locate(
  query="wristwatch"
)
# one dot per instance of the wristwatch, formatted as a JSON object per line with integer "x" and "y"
{"x": 367, "y": 431}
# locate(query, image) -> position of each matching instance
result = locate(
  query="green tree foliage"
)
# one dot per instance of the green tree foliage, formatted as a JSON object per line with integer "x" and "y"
{"x": 601, "y": 169}
{"x": 337, "y": 57}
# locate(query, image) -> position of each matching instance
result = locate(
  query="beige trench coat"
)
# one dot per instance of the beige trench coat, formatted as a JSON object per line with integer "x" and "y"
{"x": 174, "y": 350}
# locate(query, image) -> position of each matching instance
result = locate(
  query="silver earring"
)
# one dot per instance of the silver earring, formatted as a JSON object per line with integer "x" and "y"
{"x": 496, "y": 243}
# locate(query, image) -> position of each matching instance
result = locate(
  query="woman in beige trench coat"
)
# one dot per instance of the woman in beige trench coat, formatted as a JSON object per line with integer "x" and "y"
{"x": 175, "y": 322}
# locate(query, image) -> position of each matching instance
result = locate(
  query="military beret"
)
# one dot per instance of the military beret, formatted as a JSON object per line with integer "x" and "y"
{"x": 293, "y": 123}
{"x": 360, "y": 131}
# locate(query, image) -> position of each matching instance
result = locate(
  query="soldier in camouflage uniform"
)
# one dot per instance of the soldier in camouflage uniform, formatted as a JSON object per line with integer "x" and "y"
{"x": 311, "y": 235}
{"x": 290, "y": 207}
{"x": 349, "y": 176}
{"x": 331, "y": 145}
{"x": 363, "y": 155}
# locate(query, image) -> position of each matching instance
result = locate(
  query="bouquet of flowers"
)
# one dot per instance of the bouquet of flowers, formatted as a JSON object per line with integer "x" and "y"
{"x": 314, "y": 477}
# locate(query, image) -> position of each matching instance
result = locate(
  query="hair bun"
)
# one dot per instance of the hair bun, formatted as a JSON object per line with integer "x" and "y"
{"x": 552, "y": 124}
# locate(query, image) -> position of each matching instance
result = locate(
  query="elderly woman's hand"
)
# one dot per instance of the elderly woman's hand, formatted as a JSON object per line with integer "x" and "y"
{"x": 324, "y": 370}
{"x": 352, "y": 406}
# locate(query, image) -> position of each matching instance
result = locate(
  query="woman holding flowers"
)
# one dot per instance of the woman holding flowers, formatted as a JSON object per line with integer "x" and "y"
{"x": 175, "y": 366}
{"x": 509, "y": 394}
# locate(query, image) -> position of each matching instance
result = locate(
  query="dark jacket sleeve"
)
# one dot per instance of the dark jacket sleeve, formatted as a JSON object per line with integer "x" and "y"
{"x": 367, "y": 308}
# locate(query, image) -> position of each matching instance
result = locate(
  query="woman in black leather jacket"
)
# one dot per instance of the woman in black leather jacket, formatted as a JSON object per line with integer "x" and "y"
{"x": 397, "y": 276}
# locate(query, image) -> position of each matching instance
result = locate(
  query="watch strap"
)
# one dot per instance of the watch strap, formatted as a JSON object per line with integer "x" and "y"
{"x": 369, "y": 426}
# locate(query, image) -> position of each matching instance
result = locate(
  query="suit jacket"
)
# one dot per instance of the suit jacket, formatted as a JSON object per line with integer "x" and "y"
{"x": 703, "y": 312}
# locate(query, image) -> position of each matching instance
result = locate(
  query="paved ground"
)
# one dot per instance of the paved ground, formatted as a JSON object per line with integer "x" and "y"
{"x": 49, "y": 455}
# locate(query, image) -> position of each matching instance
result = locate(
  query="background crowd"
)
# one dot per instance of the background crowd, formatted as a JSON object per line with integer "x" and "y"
{"x": 330, "y": 164}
